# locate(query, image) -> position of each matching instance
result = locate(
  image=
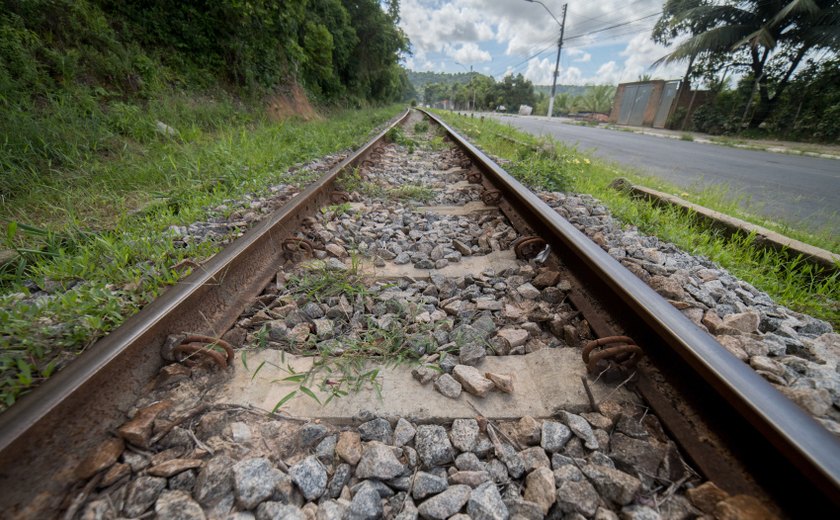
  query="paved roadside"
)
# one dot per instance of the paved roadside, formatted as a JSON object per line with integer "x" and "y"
{"x": 801, "y": 190}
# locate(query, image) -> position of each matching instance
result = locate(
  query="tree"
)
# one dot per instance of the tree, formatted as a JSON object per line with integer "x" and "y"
{"x": 598, "y": 98}
{"x": 767, "y": 39}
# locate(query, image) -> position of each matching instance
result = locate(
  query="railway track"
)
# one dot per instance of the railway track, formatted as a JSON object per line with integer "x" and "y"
{"x": 429, "y": 305}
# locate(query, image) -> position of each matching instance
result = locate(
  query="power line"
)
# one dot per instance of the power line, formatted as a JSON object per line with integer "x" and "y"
{"x": 547, "y": 47}
{"x": 613, "y": 26}
{"x": 605, "y": 15}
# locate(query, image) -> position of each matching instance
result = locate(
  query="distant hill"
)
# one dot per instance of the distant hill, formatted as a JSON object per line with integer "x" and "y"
{"x": 574, "y": 90}
{"x": 421, "y": 79}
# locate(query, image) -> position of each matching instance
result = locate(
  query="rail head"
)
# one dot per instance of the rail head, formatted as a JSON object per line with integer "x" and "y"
{"x": 804, "y": 442}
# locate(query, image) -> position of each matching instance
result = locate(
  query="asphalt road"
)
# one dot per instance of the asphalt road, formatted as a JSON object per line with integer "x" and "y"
{"x": 799, "y": 190}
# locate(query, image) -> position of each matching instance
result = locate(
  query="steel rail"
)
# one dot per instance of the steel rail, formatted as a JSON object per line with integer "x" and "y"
{"x": 797, "y": 436}
{"x": 38, "y": 432}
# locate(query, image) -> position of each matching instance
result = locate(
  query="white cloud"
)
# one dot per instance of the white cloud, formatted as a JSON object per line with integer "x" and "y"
{"x": 505, "y": 32}
{"x": 468, "y": 53}
{"x": 579, "y": 56}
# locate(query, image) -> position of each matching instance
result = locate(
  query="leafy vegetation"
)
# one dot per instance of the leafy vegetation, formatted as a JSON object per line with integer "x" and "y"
{"x": 482, "y": 92}
{"x": 93, "y": 281}
{"x": 767, "y": 42}
{"x": 82, "y": 79}
{"x": 796, "y": 284}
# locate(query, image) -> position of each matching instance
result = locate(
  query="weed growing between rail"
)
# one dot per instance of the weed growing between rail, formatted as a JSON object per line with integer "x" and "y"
{"x": 352, "y": 360}
{"x": 126, "y": 204}
{"x": 547, "y": 165}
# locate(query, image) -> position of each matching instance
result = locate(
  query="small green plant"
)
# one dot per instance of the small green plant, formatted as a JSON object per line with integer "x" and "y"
{"x": 414, "y": 192}
{"x": 421, "y": 127}
{"x": 686, "y": 137}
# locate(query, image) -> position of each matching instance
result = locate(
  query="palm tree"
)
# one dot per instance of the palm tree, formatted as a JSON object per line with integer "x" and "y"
{"x": 768, "y": 37}
{"x": 598, "y": 98}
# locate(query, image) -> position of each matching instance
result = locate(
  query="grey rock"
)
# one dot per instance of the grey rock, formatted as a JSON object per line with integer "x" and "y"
{"x": 433, "y": 446}
{"x": 214, "y": 480}
{"x": 330, "y": 510}
{"x": 424, "y": 374}
{"x": 486, "y": 503}
{"x": 472, "y": 354}
{"x": 512, "y": 460}
{"x": 528, "y": 291}
{"x": 285, "y": 491}
{"x": 178, "y": 505}
{"x": 377, "y": 430}
{"x": 279, "y": 511}
{"x": 402, "y": 483}
{"x": 310, "y": 477}
{"x": 254, "y": 481}
{"x": 612, "y": 484}
{"x": 184, "y": 481}
{"x": 383, "y": 489}
{"x": 469, "y": 478}
{"x": 448, "y": 364}
{"x": 466, "y": 335}
{"x": 366, "y": 503}
{"x": 325, "y": 451}
{"x": 340, "y": 478}
{"x": 498, "y": 471}
{"x": 639, "y": 512}
{"x": 426, "y": 484}
{"x": 554, "y": 436}
{"x": 448, "y": 386}
{"x": 577, "y": 497}
{"x": 580, "y": 427}
{"x": 469, "y": 462}
{"x": 445, "y": 504}
{"x": 403, "y": 433}
{"x": 312, "y": 433}
{"x": 464, "y": 434}
{"x": 378, "y": 461}
{"x": 523, "y": 509}
{"x": 568, "y": 472}
{"x": 142, "y": 493}
{"x": 533, "y": 458}
{"x": 313, "y": 310}
{"x": 632, "y": 455}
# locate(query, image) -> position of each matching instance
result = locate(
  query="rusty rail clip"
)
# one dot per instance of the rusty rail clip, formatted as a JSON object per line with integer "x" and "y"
{"x": 623, "y": 354}
{"x": 198, "y": 345}
{"x": 339, "y": 197}
{"x": 528, "y": 247}
{"x": 293, "y": 245}
{"x": 474, "y": 177}
{"x": 491, "y": 197}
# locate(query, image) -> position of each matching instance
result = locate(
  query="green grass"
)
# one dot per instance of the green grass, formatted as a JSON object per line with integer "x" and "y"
{"x": 413, "y": 192}
{"x": 110, "y": 251}
{"x": 351, "y": 360}
{"x": 793, "y": 283}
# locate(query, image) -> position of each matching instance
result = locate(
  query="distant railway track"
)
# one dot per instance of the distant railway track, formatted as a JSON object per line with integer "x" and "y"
{"x": 730, "y": 425}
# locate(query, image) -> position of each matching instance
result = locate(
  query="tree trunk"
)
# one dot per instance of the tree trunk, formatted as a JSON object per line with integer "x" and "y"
{"x": 766, "y": 103}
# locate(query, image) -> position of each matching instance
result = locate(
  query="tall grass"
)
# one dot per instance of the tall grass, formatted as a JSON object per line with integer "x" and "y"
{"x": 125, "y": 257}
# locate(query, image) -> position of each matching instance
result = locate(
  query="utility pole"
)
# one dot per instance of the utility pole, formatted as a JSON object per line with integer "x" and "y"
{"x": 559, "y": 48}
{"x": 557, "y": 63}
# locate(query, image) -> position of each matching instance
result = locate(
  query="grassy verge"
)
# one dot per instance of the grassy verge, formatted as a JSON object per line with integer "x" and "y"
{"x": 101, "y": 247}
{"x": 556, "y": 167}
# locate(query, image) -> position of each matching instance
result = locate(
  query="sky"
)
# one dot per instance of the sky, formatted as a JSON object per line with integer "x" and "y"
{"x": 500, "y": 37}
